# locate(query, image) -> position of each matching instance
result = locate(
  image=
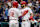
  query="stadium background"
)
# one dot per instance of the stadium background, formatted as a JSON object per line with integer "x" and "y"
{"x": 5, "y": 5}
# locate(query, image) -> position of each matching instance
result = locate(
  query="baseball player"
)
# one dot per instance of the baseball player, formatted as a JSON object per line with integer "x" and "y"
{"x": 13, "y": 15}
{"x": 25, "y": 15}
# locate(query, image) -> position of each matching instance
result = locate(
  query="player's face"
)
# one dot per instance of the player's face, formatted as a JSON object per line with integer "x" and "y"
{"x": 22, "y": 5}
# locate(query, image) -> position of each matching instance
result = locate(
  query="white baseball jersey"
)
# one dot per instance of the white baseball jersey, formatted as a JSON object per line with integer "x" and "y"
{"x": 25, "y": 17}
{"x": 13, "y": 13}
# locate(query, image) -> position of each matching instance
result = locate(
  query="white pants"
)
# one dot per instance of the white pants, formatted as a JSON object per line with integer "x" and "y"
{"x": 26, "y": 24}
{"x": 13, "y": 23}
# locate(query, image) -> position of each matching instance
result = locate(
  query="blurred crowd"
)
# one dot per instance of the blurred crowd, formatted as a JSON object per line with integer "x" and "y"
{"x": 5, "y": 5}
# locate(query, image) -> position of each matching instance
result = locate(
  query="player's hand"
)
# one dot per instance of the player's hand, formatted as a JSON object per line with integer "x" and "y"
{"x": 20, "y": 16}
{"x": 31, "y": 18}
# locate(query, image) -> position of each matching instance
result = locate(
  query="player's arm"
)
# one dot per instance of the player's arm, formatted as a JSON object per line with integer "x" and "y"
{"x": 31, "y": 17}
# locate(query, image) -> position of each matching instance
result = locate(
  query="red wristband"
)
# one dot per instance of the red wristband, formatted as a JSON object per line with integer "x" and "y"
{"x": 31, "y": 17}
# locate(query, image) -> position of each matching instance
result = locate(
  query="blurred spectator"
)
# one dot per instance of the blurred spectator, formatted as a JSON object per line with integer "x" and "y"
{"x": 29, "y": 3}
{"x": 3, "y": 14}
{"x": 38, "y": 11}
{"x": 6, "y": 5}
{"x": 34, "y": 2}
{"x": 36, "y": 7}
{"x": 36, "y": 16}
{"x": 12, "y": 1}
{"x": 9, "y": 3}
{"x": 39, "y": 17}
{"x": 1, "y": 11}
{"x": 26, "y": 0}
{"x": 6, "y": 12}
{"x": 37, "y": 2}
{"x": 3, "y": 1}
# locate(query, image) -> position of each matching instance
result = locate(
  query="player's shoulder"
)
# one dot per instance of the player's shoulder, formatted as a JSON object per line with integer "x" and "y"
{"x": 14, "y": 9}
{"x": 28, "y": 7}
{"x": 10, "y": 8}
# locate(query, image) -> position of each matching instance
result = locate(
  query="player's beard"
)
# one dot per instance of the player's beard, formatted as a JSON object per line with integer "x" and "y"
{"x": 22, "y": 6}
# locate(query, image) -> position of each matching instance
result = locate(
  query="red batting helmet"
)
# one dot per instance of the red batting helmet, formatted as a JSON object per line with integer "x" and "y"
{"x": 15, "y": 3}
{"x": 23, "y": 2}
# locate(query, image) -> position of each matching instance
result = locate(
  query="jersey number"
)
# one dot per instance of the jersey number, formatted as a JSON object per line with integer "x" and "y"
{"x": 12, "y": 13}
